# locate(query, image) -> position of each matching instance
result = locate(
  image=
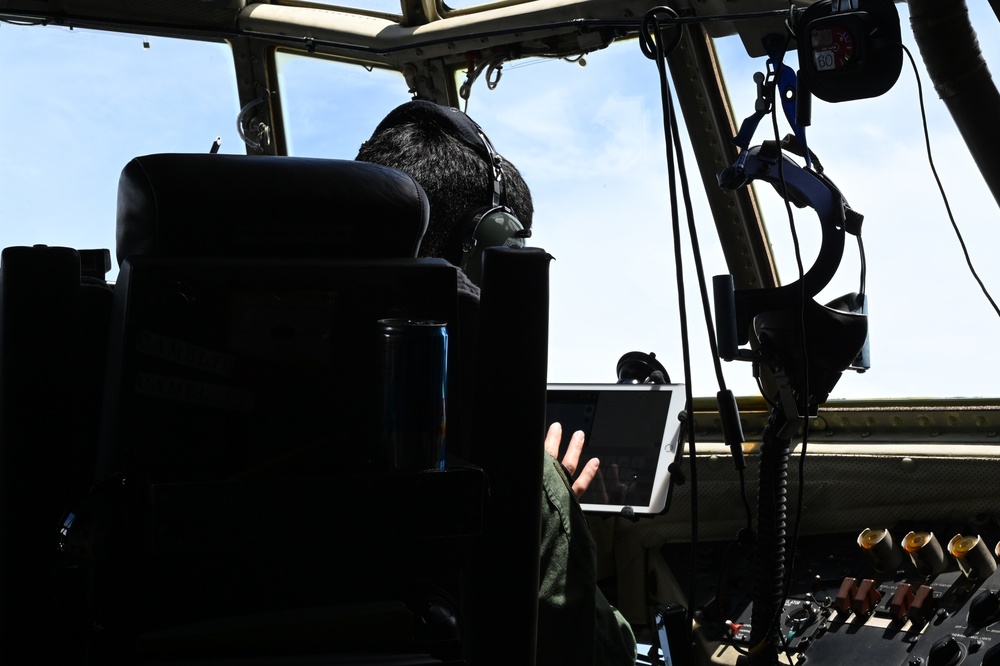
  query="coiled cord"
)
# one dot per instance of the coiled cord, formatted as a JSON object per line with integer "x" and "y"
{"x": 769, "y": 567}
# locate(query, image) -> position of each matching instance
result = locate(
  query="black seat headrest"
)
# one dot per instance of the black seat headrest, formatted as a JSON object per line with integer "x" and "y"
{"x": 255, "y": 206}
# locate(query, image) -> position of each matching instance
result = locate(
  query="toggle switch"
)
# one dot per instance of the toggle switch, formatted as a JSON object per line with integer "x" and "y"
{"x": 899, "y": 605}
{"x": 923, "y": 605}
{"x": 866, "y": 598}
{"x": 845, "y": 595}
{"x": 973, "y": 557}
{"x": 925, "y": 552}
{"x": 879, "y": 547}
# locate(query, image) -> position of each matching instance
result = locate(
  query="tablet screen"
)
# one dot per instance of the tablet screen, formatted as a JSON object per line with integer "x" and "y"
{"x": 632, "y": 429}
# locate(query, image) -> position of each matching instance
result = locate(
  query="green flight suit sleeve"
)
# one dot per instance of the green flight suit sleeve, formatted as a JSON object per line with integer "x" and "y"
{"x": 576, "y": 623}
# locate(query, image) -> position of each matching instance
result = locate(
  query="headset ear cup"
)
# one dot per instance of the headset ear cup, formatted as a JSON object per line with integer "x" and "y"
{"x": 490, "y": 226}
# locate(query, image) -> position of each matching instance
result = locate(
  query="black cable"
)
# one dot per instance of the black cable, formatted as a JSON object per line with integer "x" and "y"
{"x": 746, "y": 500}
{"x": 653, "y": 47}
{"x": 696, "y": 250}
{"x": 864, "y": 266}
{"x": 703, "y": 287}
{"x": 656, "y": 47}
{"x": 789, "y": 557}
{"x": 937, "y": 179}
{"x": 703, "y": 284}
{"x": 769, "y": 572}
{"x": 804, "y": 407}
{"x": 693, "y": 235}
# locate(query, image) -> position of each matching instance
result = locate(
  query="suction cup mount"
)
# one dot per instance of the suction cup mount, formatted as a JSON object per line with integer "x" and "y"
{"x": 641, "y": 368}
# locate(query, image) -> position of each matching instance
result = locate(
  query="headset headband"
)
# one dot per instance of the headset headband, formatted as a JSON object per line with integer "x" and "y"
{"x": 458, "y": 125}
{"x": 455, "y": 122}
{"x": 803, "y": 188}
{"x": 487, "y": 225}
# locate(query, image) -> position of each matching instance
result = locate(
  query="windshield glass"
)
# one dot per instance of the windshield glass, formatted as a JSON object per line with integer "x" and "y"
{"x": 330, "y": 107}
{"x": 78, "y": 105}
{"x": 377, "y": 6}
{"x": 588, "y": 137}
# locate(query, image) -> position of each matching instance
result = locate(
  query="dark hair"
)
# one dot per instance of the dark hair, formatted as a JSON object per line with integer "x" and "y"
{"x": 456, "y": 178}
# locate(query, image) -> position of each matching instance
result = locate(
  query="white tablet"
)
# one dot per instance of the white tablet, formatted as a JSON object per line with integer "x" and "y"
{"x": 633, "y": 430}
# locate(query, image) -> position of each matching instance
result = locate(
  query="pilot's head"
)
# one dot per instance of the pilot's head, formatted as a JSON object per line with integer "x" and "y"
{"x": 449, "y": 155}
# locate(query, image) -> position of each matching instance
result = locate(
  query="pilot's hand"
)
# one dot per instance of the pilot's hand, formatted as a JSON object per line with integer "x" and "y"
{"x": 572, "y": 458}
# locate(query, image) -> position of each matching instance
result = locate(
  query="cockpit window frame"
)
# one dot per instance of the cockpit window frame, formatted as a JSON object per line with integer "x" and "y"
{"x": 323, "y": 6}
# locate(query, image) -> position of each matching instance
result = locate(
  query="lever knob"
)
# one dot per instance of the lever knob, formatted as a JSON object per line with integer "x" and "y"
{"x": 879, "y": 547}
{"x": 984, "y": 609}
{"x": 973, "y": 557}
{"x": 946, "y": 652}
{"x": 925, "y": 552}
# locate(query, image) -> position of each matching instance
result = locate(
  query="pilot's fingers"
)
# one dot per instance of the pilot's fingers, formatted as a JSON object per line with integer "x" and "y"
{"x": 587, "y": 475}
{"x": 552, "y": 439}
{"x": 572, "y": 457}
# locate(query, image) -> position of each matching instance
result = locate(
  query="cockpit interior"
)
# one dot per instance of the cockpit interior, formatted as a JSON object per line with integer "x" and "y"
{"x": 762, "y": 243}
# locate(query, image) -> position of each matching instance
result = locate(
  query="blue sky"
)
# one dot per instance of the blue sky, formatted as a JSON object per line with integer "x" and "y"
{"x": 588, "y": 139}
{"x": 79, "y": 104}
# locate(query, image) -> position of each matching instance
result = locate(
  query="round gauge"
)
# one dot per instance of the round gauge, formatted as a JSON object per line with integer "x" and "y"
{"x": 833, "y": 47}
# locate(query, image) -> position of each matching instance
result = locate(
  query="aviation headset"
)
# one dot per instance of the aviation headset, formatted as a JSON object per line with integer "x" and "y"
{"x": 804, "y": 188}
{"x": 494, "y": 224}
{"x": 837, "y": 332}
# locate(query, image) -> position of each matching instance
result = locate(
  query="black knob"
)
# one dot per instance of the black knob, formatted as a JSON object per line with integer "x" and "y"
{"x": 801, "y": 617}
{"x": 992, "y": 656}
{"x": 946, "y": 652}
{"x": 984, "y": 609}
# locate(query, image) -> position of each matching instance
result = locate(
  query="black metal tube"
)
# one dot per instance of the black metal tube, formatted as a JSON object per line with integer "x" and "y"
{"x": 950, "y": 51}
